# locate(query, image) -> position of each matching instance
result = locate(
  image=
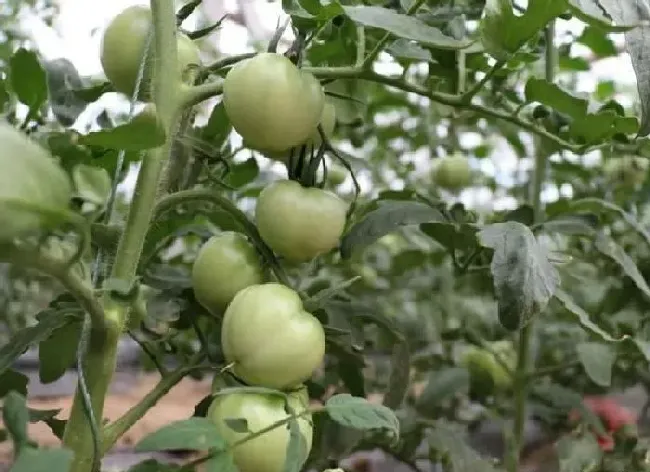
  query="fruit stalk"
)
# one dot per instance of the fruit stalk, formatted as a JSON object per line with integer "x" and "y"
{"x": 522, "y": 379}
{"x": 101, "y": 358}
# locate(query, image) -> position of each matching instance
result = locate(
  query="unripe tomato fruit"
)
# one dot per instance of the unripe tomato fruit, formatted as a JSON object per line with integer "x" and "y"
{"x": 269, "y": 337}
{"x": 122, "y": 47}
{"x": 299, "y": 223}
{"x": 225, "y": 264}
{"x": 271, "y": 103}
{"x": 453, "y": 172}
{"x": 328, "y": 122}
{"x": 30, "y": 177}
{"x": 483, "y": 366}
{"x": 268, "y": 452}
{"x": 336, "y": 175}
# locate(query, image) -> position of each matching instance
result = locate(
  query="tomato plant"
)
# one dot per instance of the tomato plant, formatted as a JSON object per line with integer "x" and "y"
{"x": 122, "y": 50}
{"x": 468, "y": 250}
{"x": 225, "y": 264}
{"x": 265, "y": 453}
{"x": 284, "y": 359}
{"x": 299, "y": 223}
{"x": 271, "y": 103}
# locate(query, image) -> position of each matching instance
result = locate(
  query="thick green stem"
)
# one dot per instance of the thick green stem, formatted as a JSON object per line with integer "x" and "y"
{"x": 522, "y": 377}
{"x": 100, "y": 361}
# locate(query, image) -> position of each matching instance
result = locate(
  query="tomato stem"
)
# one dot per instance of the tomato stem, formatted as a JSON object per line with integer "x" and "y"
{"x": 522, "y": 378}
{"x": 100, "y": 361}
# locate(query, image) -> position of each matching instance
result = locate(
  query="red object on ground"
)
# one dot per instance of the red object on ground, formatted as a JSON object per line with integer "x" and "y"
{"x": 612, "y": 414}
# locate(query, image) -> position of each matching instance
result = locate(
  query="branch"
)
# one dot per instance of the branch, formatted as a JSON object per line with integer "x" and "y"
{"x": 186, "y": 196}
{"x": 117, "y": 428}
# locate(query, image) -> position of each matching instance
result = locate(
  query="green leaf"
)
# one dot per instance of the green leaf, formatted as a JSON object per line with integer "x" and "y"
{"x": 49, "y": 418}
{"x": 15, "y": 417}
{"x": 196, "y": 434}
{"x": 572, "y": 224}
{"x": 57, "y": 353}
{"x": 359, "y": 413}
{"x": 598, "y": 127}
{"x": 62, "y": 78}
{"x": 409, "y": 50}
{"x": 91, "y": 94}
{"x": 577, "y": 454}
{"x": 447, "y": 439}
{"x": 399, "y": 380}
{"x": 551, "y": 95}
{"x": 442, "y": 385}
{"x": 597, "y": 205}
{"x": 28, "y": 79}
{"x": 637, "y": 43}
{"x": 583, "y": 317}
{"x": 152, "y": 465}
{"x": 43, "y": 460}
{"x": 597, "y": 360}
{"x": 243, "y": 173}
{"x": 319, "y": 300}
{"x": 297, "y": 450}
{"x": 93, "y": 184}
{"x": 524, "y": 279}
{"x": 591, "y": 12}
{"x": 452, "y": 236}
{"x": 218, "y": 128}
{"x": 144, "y": 131}
{"x": 403, "y": 26}
{"x": 610, "y": 248}
{"x": 503, "y": 32}
{"x": 390, "y": 216}
{"x": 221, "y": 461}
{"x": 26, "y": 337}
{"x": 11, "y": 380}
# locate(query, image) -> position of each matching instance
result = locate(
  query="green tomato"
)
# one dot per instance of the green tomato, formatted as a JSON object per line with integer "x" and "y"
{"x": 225, "y": 264}
{"x": 336, "y": 175}
{"x": 327, "y": 121}
{"x": 30, "y": 180}
{"x": 268, "y": 452}
{"x": 122, "y": 47}
{"x": 271, "y": 103}
{"x": 269, "y": 337}
{"x": 485, "y": 369}
{"x": 299, "y": 223}
{"x": 453, "y": 172}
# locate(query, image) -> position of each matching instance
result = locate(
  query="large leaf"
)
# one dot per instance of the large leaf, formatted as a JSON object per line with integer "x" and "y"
{"x": 359, "y": 413}
{"x": 57, "y": 353}
{"x": 144, "y": 131}
{"x": 15, "y": 417}
{"x": 637, "y": 43}
{"x": 390, "y": 216}
{"x": 26, "y": 337}
{"x": 28, "y": 79}
{"x": 524, "y": 279}
{"x": 403, "y": 26}
{"x": 610, "y": 248}
{"x": 549, "y": 94}
{"x": 503, "y": 32}
{"x": 62, "y": 79}
{"x": 399, "y": 380}
{"x": 583, "y": 317}
{"x": 597, "y": 360}
{"x": 591, "y": 12}
{"x": 598, "y": 205}
{"x": 43, "y": 460}
{"x": 196, "y": 434}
